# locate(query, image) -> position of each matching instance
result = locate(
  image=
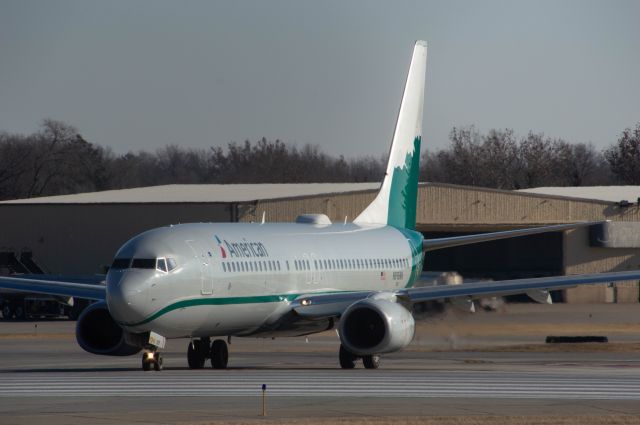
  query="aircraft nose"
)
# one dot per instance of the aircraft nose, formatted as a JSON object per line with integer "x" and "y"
{"x": 127, "y": 295}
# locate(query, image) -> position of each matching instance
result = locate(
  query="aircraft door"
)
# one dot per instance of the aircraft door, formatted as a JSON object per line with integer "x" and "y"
{"x": 204, "y": 258}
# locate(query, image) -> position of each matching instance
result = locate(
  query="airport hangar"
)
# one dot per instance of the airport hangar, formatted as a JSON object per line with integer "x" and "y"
{"x": 79, "y": 234}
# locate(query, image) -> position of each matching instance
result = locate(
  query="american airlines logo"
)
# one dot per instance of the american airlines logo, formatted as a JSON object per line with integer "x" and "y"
{"x": 242, "y": 249}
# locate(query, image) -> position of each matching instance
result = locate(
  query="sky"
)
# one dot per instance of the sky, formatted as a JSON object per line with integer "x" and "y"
{"x": 139, "y": 75}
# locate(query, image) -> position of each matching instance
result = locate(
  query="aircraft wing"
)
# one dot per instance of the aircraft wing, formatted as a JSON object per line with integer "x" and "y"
{"x": 332, "y": 305}
{"x": 71, "y": 287}
{"x": 448, "y": 242}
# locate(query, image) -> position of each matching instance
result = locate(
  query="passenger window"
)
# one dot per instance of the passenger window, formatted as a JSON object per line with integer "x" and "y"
{"x": 287, "y": 265}
{"x": 161, "y": 265}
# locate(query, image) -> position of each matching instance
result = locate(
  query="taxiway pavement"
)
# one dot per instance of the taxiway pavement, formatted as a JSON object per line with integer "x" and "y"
{"x": 46, "y": 378}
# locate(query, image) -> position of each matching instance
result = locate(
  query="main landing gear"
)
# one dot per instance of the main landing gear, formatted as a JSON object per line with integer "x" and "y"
{"x": 199, "y": 350}
{"x": 348, "y": 359}
{"x": 151, "y": 359}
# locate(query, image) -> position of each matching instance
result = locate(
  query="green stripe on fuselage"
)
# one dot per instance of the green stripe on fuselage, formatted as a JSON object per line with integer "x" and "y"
{"x": 260, "y": 299}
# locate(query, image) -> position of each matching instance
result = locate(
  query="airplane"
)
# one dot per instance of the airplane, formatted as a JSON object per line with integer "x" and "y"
{"x": 207, "y": 281}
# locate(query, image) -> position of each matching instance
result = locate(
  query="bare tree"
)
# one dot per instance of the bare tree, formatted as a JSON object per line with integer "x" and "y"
{"x": 624, "y": 157}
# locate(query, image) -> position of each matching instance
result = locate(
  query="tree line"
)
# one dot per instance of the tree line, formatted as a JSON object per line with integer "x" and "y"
{"x": 56, "y": 159}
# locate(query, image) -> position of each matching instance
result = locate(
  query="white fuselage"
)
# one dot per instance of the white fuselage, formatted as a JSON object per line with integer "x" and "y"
{"x": 238, "y": 279}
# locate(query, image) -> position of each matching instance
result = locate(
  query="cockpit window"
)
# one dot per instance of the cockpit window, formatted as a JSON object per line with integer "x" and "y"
{"x": 171, "y": 264}
{"x": 161, "y": 265}
{"x": 143, "y": 263}
{"x": 121, "y": 263}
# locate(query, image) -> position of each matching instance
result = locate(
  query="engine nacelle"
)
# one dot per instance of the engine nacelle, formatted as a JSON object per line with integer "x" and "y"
{"x": 98, "y": 333}
{"x": 376, "y": 326}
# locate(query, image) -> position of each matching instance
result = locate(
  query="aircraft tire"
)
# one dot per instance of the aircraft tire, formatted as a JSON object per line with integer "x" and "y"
{"x": 146, "y": 364}
{"x": 195, "y": 355}
{"x": 157, "y": 363}
{"x": 371, "y": 362}
{"x": 219, "y": 354}
{"x": 347, "y": 359}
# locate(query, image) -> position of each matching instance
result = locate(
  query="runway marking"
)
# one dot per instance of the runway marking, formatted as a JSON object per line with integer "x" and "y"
{"x": 330, "y": 383}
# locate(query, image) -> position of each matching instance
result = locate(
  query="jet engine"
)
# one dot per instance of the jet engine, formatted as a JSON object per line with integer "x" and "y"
{"x": 98, "y": 333}
{"x": 376, "y": 326}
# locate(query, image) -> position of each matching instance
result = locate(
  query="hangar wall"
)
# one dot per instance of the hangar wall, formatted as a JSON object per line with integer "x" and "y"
{"x": 83, "y": 238}
{"x": 446, "y": 208}
{"x": 75, "y": 237}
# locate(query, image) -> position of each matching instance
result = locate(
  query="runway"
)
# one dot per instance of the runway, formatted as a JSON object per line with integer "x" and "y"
{"x": 584, "y": 385}
{"x": 45, "y": 378}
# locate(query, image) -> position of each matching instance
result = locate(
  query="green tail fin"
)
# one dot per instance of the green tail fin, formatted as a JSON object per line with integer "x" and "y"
{"x": 396, "y": 201}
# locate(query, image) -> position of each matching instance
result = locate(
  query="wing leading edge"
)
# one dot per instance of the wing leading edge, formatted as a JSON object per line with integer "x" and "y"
{"x": 54, "y": 287}
{"x": 315, "y": 306}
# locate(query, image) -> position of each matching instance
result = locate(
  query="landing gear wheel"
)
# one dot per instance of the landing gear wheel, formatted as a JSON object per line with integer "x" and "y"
{"x": 347, "y": 359}
{"x": 219, "y": 354}
{"x": 151, "y": 359}
{"x": 146, "y": 362}
{"x": 7, "y": 311}
{"x": 157, "y": 364}
{"x": 196, "y": 354}
{"x": 371, "y": 362}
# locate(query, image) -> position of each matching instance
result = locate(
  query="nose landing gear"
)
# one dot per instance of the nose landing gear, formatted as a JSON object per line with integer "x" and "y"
{"x": 151, "y": 359}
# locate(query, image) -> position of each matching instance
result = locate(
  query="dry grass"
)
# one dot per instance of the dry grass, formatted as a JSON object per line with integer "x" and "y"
{"x": 448, "y": 420}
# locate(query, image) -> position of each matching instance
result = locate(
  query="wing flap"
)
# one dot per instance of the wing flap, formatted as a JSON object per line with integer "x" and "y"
{"x": 53, "y": 287}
